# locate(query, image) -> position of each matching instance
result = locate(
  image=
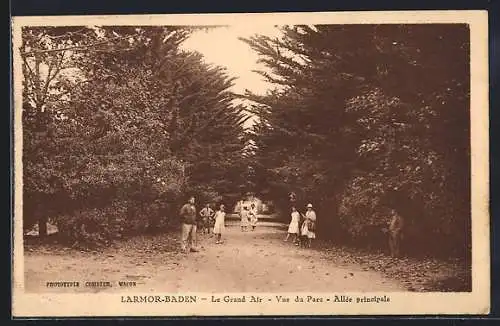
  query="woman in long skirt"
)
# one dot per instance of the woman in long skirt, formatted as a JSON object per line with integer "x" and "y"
{"x": 219, "y": 225}
{"x": 309, "y": 225}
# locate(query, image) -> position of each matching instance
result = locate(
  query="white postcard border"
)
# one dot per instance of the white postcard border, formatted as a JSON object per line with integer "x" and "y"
{"x": 476, "y": 302}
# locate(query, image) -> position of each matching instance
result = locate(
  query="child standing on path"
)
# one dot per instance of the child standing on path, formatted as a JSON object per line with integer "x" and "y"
{"x": 253, "y": 216}
{"x": 293, "y": 227}
{"x": 219, "y": 223}
{"x": 244, "y": 218}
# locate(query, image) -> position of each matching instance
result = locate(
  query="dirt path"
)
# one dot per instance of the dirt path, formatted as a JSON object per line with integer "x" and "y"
{"x": 253, "y": 261}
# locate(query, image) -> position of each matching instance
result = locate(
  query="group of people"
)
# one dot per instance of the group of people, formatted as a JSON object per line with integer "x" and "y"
{"x": 302, "y": 226}
{"x": 208, "y": 220}
{"x": 248, "y": 216}
{"x": 211, "y": 222}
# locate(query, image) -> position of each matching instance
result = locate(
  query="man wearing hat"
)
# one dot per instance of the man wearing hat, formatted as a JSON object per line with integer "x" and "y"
{"x": 309, "y": 226}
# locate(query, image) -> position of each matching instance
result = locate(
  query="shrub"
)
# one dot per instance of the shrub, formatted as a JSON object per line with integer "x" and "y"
{"x": 92, "y": 227}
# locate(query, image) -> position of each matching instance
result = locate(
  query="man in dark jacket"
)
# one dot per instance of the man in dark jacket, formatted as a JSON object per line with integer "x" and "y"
{"x": 188, "y": 218}
{"x": 396, "y": 225}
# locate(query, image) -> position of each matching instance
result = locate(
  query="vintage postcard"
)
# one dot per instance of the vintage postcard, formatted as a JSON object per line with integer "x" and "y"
{"x": 251, "y": 164}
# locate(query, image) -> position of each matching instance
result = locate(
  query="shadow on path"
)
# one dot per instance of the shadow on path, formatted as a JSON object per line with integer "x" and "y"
{"x": 252, "y": 261}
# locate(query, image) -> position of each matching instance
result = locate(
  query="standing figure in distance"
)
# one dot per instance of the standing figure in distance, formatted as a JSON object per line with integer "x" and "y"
{"x": 293, "y": 227}
{"x": 219, "y": 223}
{"x": 244, "y": 218}
{"x": 188, "y": 217}
{"x": 253, "y": 216}
{"x": 395, "y": 233}
{"x": 309, "y": 225}
{"x": 206, "y": 214}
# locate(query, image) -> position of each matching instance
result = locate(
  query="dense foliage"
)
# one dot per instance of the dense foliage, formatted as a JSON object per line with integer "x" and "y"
{"x": 366, "y": 118}
{"x": 119, "y": 125}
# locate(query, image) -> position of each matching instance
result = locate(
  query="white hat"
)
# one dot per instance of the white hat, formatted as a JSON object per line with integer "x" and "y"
{"x": 309, "y": 205}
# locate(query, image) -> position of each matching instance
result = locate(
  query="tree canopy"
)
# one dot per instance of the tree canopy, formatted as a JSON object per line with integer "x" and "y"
{"x": 366, "y": 118}
{"x": 120, "y": 123}
{"x": 134, "y": 122}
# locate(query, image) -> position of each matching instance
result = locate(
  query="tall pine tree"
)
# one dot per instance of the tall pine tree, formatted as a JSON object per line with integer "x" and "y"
{"x": 140, "y": 123}
{"x": 368, "y": 117}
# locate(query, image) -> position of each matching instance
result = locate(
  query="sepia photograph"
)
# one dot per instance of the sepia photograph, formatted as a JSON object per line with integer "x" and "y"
{"x": 251, "y": 164}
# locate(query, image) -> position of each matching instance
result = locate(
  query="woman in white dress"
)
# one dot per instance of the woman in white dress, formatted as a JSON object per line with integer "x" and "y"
{"x": 253, "y": 216}
{"x": 293, "y": 227}
{"x": 219, "y": 225}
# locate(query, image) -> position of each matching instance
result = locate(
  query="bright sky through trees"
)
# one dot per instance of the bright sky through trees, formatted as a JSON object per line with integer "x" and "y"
{"x": 221, "y": 46}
